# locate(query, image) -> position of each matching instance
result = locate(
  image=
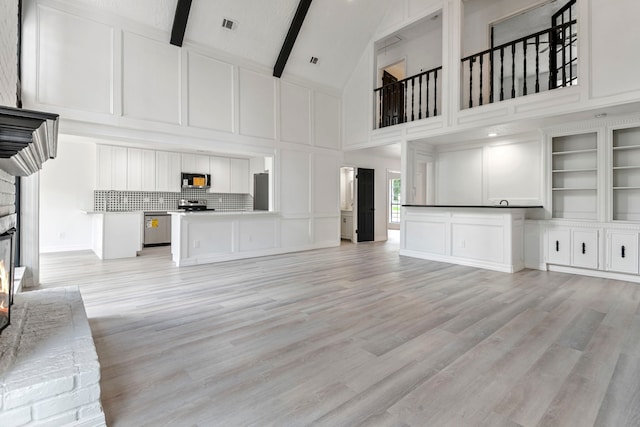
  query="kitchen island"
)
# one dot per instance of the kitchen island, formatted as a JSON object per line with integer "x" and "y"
{"x": 116, "y": 235}
{"x": 213, "y": 236}
{"x": 483, "y": 236}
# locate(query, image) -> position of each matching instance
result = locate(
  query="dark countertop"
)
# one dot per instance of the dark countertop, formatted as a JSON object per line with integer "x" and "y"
{"x": 476, "y": 206}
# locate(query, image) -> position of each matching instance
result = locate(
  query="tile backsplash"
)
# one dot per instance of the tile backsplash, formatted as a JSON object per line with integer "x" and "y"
{"x": 121, "y": 201}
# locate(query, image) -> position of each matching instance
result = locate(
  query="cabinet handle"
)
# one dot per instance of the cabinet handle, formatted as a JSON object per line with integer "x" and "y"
{"x": 557, "y": 246}
{"x": 622, "y": 252}
{"x": 584, "y": 248}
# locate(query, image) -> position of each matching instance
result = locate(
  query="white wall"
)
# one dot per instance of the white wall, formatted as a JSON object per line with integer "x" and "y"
{"x": 478, "y": 14}
{"x": 485, "y": 174}
{"x": 123, "y": 83}
{"x": 422, "y": 53}
{"x": 8, "y": 52}
{"x": 66, "y": 188}
{"x": 380, "y": 165}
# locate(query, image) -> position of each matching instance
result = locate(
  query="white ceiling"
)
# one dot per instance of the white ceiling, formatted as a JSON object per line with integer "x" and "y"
{"x": 335, "y": 31}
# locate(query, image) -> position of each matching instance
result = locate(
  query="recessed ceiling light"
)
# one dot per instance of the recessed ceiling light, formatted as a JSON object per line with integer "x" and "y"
{"x": 313, "y": 60}
{"x": 600, "y": 115}
{"x": 492, "y": 134}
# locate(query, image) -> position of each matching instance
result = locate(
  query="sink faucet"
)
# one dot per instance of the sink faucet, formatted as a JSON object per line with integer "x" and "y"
{"x": 503, "y": 200}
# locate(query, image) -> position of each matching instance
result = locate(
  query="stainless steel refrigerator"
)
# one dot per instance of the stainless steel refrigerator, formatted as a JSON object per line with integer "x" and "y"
{"x": 261, "y": 192}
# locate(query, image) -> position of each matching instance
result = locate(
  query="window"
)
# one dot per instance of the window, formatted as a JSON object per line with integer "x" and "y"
{"x": 394, "y": 200}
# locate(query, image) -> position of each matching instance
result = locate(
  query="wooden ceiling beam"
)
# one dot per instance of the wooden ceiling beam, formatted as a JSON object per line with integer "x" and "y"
{"x": 180, "y": 22}
{"x": 292, "y": 35}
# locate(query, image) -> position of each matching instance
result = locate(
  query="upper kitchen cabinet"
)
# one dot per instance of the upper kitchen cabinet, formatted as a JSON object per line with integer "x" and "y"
{"x": 239, "y": 179}
{"x": 141, "y": 170}
{"x": 195, "y": 163}
{"x": 168, "y": 171}
{"x": 111, "y": 168}
{"x": 220, "y": 174}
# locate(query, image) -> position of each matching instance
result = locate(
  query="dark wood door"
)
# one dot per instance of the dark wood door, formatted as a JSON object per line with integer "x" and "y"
{"x": 366, "y": 211}
{"x": 392, "y": 100}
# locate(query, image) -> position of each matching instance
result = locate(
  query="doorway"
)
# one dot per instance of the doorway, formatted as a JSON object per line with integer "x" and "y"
{"x": 365, "y": 205}
{"x": 394, "y": 204}
{"x": 347, "y": 191}
{"x": 393, "y": 94}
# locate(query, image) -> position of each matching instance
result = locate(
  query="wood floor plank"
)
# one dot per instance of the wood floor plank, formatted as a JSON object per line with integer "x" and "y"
{"x": 355, "y": 335}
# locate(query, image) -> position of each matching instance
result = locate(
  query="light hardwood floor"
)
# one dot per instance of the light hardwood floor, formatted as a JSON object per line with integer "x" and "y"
{"x": 356, "y": 335}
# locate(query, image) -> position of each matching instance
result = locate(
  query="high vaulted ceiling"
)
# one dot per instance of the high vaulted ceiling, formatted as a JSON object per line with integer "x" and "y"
{"x": 335, "y": 31}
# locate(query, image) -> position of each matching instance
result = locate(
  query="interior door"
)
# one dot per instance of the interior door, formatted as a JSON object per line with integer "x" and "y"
{"x": 392, "y": 100}
{"x": 366, "y": 210}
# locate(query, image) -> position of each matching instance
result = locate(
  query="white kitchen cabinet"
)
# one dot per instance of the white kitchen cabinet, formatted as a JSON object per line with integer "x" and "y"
{"x": 195, "y": 163}
{"x": 559, "y": 246}
{"x": 141, "y": 170}
{"x": 111, "y": 168}
{"x": 622, "y": 251}
{"x": 168, "y": 171}
{"x": 584, "y": 248}
{"x": 239, "y": 177}
{"x": 220, "y": 174}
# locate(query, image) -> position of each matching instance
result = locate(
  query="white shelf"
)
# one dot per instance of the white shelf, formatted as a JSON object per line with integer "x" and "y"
{"x": 574, "y": 170}
{"x": 626, "y": 188}
{"x": 617, "y": 168}
{"x": 562, "y": 153}
{"x": 573, "y": 189}
{"x": 627, "y": 147}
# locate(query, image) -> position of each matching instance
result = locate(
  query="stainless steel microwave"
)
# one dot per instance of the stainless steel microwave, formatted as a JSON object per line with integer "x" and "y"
{"x": 196, "y": 180}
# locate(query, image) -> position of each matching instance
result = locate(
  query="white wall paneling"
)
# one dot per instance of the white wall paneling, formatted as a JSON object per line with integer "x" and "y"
{"x": 295, "y": 182}
{"x": 608, "y": 48}
{"x": 326, "y": 126}
{"x": 295, "y": 113}
{"x": 459, "y": 177}
{"x": 326, "y": 230}
{"x": 150, "y": 88}
{"x": 295, "y": 232}
{"x": 489, "y": 238}
{"x": 211, "y": 95}
{"x": 326, "y": 181}
{"x": 257, "y": 235}
{"x": 257, "y": 104}
{"x": 80, "y": 78}
{"x": 514, "y": 173}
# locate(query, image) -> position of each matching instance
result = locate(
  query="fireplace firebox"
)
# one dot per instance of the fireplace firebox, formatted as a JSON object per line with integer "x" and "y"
{"x": 6, "y": 277}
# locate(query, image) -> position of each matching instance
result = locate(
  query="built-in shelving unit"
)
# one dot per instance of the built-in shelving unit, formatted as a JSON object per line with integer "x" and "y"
{"x": 626, "y": 174}
{"x": 575, "y": 176}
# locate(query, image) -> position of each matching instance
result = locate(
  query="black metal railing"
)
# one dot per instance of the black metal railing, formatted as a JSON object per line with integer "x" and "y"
{"x": 538, "y": 62}
{"x": 406, "y": 100}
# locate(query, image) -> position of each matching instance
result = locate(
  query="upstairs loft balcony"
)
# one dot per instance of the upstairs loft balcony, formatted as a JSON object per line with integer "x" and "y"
{"x": 538, "y": 62}
{"x": 406, "y": 100}
{"x": 535, "y": 63}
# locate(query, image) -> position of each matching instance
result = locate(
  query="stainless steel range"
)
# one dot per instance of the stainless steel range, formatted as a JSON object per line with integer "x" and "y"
{"x": 193, "y": 205}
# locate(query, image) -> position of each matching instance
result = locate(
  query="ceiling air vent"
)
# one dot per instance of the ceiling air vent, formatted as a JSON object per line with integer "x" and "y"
{"x": 229, "y": 24}
{"x": 314, "y": 60}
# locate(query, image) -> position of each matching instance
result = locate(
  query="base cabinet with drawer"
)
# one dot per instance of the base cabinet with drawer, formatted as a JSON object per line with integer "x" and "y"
{"x": 584, "y": 248}
{"x": 573, "y": 247}
{"x": 622, "y": 251}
